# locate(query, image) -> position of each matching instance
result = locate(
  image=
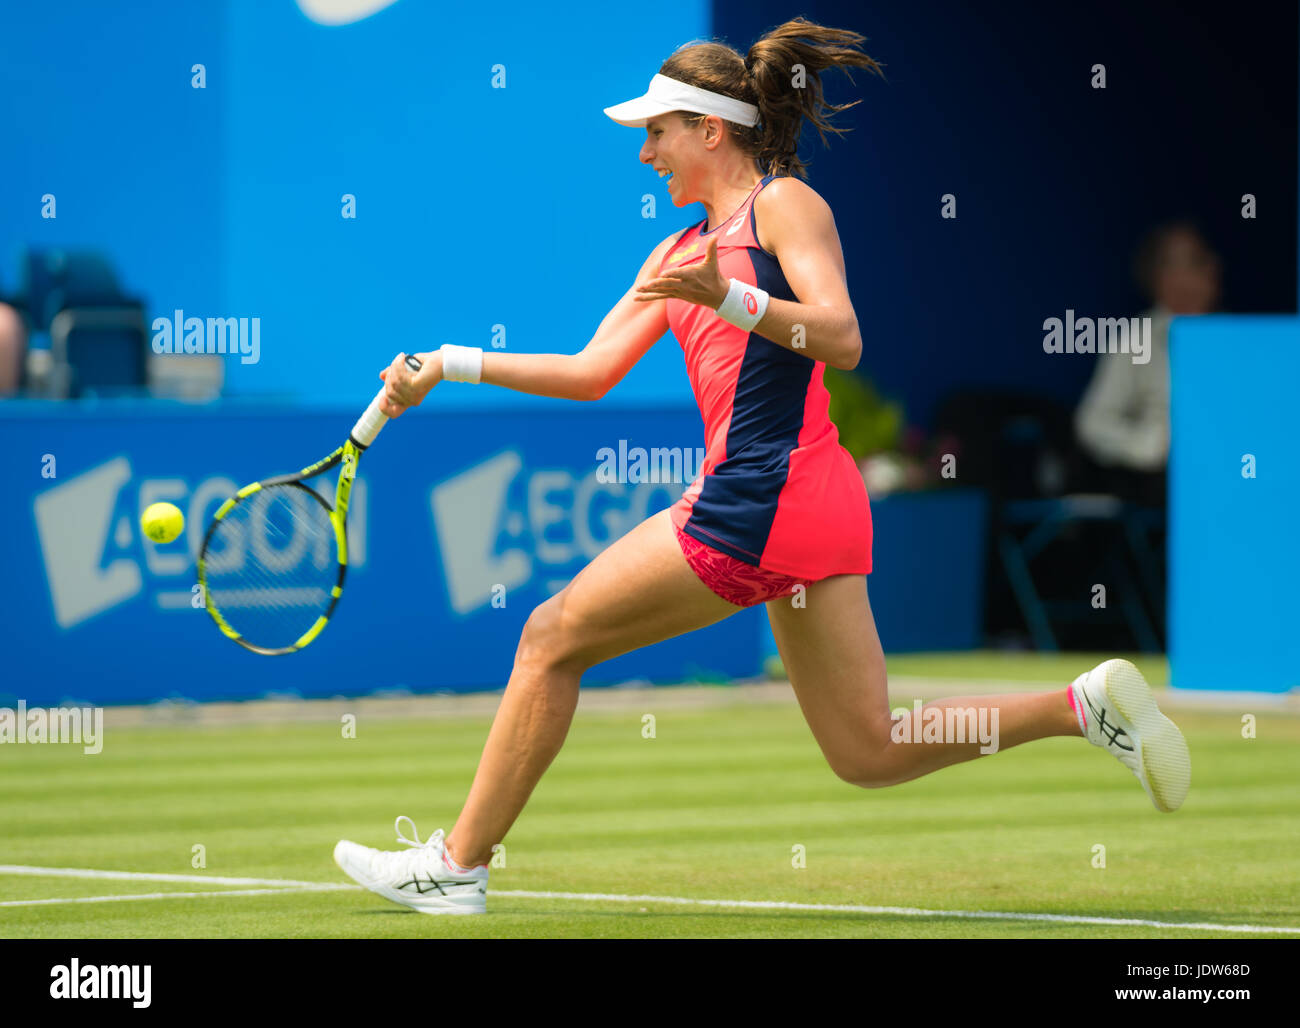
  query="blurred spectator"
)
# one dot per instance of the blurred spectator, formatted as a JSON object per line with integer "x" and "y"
{"x": 1123, "y": 419}
{"x": 13, "y": 350}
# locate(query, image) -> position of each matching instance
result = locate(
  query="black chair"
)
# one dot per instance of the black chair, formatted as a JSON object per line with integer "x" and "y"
{"x": 1021, "y": 449}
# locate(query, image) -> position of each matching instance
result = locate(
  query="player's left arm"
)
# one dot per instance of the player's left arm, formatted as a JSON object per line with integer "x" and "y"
{"x": 797, "y": 225}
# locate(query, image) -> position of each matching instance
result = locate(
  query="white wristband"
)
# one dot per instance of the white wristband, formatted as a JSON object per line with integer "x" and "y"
{"x": 744, "y": 306}
{"x": 462, "y": 363}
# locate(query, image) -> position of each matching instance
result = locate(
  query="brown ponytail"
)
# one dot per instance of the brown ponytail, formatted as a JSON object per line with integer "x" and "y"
{"x": 781, "y": 75}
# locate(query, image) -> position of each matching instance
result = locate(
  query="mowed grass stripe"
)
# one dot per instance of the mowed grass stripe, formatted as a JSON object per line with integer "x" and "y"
{"x": 711, "y": 807}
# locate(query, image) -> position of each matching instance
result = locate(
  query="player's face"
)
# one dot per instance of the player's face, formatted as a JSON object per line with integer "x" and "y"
{"x": 671, "y": 146}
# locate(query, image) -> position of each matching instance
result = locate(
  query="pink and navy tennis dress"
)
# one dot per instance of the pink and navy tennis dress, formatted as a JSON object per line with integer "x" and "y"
{"x": 778, "y": 500}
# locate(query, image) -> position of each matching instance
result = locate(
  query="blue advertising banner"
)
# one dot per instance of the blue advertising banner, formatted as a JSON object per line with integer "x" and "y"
{"x": 459, "y": 525}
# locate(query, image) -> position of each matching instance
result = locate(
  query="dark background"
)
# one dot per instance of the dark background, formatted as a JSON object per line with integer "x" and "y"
{"x": 1055, "y": 181}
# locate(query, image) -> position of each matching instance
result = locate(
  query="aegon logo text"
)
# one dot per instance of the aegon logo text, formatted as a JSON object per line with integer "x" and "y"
{"x": 90, "y": 538}
{"x": 499, "y": 525}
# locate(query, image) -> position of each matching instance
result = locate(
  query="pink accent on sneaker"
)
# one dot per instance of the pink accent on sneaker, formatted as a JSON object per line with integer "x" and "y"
{"x": 456, "y": 868}
{"x": 1077, "y": 707}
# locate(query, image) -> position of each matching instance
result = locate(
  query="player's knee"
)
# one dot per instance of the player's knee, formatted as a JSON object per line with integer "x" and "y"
{"x": 546, "y": 642}
{"x": 866, "y": 773}
{"x": 870, "y": 765}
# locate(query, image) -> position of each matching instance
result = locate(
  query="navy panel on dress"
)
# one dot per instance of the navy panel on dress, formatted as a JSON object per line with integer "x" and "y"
{"x": 737, "y": 504}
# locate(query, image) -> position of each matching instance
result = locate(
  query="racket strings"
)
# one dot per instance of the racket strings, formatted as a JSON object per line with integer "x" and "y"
{"x": 271, "y": 565}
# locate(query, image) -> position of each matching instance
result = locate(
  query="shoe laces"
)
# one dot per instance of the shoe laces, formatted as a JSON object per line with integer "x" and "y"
{"x": 417, "y": 857}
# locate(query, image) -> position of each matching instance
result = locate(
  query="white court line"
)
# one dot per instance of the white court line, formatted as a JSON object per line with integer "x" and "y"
{"x": 145, "y": 876}
{"x": 845, "y": 908}
{"x": 287, "y": 885}
{"x": 168, "y": 895}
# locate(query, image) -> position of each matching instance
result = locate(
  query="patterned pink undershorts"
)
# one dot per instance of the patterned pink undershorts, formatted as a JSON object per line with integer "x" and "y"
{"x": 734, "y": 580}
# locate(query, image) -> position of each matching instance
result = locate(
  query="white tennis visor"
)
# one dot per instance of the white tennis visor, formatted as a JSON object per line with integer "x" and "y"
{"x": 667, "y": 94}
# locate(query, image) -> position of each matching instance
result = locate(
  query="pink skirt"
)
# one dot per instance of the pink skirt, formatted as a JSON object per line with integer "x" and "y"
{"x": 734, "y": 580}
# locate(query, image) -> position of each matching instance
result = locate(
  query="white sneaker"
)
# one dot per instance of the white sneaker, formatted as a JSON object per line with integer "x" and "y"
{"x": 1117, "y": 711}
{"x": 420, "y": 877}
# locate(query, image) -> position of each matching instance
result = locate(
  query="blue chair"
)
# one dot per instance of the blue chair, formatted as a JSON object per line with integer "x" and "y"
{"x": 80, "y": 280}
{"x": 105, "y": 349}
{"x": 98, "y": 336}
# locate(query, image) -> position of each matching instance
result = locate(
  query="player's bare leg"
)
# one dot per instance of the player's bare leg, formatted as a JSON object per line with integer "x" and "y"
{"x": 638, "y": 591}
{"x": 833, "y": 657}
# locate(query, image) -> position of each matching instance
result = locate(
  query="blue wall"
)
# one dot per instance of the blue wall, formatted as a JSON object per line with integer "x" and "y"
{"x": 476, "y": 206}
{"x": 1233, "y": 553}
{"x": 97, "y": 109}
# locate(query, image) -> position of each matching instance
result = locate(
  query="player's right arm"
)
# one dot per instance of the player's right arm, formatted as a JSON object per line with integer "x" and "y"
{"x": 623, "y": 338}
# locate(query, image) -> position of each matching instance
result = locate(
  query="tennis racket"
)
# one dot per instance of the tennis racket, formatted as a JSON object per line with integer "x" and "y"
{"x": 274, "y": 557}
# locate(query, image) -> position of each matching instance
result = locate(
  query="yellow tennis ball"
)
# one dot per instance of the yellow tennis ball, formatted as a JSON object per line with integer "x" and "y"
{"x": 162, "y": 522}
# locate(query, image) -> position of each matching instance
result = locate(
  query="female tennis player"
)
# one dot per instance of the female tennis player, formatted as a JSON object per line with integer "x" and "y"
{"x": 755, "y": 293}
